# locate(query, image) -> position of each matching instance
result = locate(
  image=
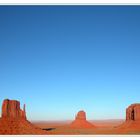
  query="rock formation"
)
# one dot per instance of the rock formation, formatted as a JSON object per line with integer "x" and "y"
{"x": 81, "y": 115}
{"x": 133, "y": 112}
{"x": 14, "y": 121}
{"x": 81, "y": 122}
{"x": 132, "y": 122}
{"x": 11, "y": 109}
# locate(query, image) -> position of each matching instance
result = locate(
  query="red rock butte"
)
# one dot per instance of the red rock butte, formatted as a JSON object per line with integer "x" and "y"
{"x": 80, "y": 121}
{"x": 133, "y": 112}
{"x": 132, "y": 122}
{"x": 11, "y": 109}
{"x": 14, "y": 121}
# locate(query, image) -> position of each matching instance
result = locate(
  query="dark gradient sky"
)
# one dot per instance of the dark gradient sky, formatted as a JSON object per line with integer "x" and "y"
{"x": 61, "y": 59}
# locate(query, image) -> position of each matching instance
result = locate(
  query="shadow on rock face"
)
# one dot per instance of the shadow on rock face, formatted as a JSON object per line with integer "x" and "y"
{"x": 48, "y": 129}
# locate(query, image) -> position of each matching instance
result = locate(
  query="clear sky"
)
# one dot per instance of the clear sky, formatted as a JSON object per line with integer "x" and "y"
{"x": 61, "y": 59}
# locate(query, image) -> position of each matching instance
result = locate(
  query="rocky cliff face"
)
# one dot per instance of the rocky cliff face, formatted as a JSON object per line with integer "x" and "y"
{"x": 81, "y": 115}
{"x": 11, "y": 109}
{"x": 80, "y": 121}
{"x": 133, "y": 112}
{"x": 132, "y": 122}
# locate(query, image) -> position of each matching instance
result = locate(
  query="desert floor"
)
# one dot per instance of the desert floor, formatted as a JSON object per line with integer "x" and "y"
{"x": 103, "y": 127}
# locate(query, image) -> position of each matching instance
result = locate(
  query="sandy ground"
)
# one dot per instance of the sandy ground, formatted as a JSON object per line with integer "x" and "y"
{"x": 103, "y": 127}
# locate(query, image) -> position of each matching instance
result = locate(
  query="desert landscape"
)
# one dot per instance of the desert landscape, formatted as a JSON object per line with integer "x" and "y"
{"x": 70, "y": 70}
{"x": 14, "y": 122}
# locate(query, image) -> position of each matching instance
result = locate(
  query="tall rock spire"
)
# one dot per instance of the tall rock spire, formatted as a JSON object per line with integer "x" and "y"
{"x": 24, "y": 111}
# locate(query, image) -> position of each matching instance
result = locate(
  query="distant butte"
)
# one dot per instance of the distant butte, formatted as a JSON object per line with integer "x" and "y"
{"x": 14, "y": 121}
{"x": 81, "y": 122}
{"x": 132, "y": 122}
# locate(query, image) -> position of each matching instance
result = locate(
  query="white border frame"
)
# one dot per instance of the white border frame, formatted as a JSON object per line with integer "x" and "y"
{"x": 70, "y": 2}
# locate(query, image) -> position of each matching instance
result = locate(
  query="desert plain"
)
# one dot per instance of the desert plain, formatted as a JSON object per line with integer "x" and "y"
{"x": 103, "y": 127}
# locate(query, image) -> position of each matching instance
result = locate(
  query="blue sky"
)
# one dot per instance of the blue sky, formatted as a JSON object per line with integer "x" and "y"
{"x": 61, "y": 59}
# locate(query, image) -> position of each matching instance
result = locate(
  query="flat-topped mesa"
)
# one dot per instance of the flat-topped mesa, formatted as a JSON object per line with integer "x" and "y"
{"x": 81, "y": 115}
{"x": 11, "y": 109}
{"x": 132, "y": 122}
{"x": 133, "y": 112}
